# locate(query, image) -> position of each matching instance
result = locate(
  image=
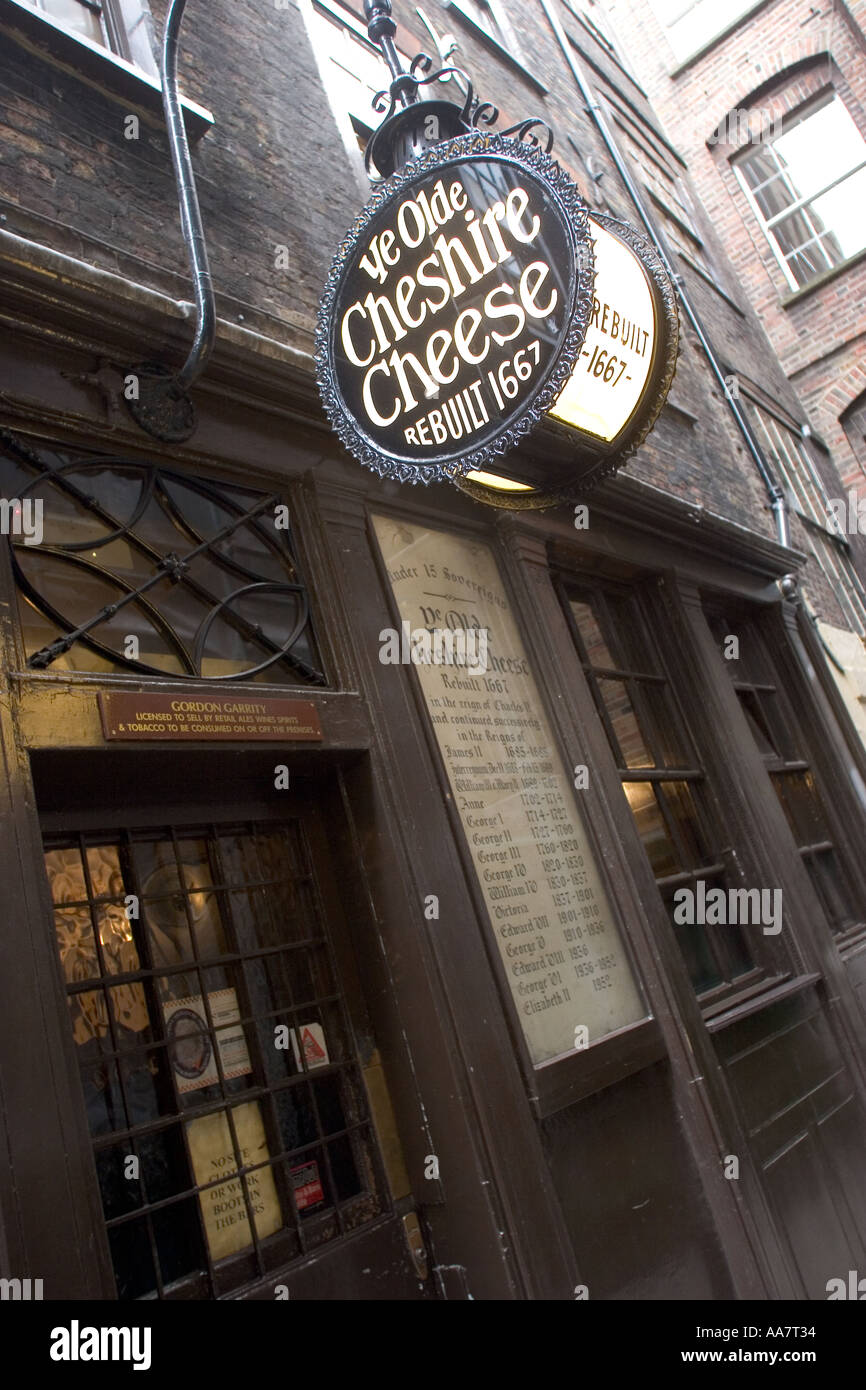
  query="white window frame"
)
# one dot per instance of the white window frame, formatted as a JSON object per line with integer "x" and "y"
{"x": 126, "y": 25}
{"x": 811, "y": 502}
{"x": 315, "y": 12}
{"x": 800, "y": 204}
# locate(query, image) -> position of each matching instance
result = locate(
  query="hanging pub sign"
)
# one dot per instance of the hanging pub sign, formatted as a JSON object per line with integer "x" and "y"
{"x": 455, "y": 309}
{"x": 475, "y": 299}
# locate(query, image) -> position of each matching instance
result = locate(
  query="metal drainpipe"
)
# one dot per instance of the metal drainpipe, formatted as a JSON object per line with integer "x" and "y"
{"x": 190, "y": 213}
{"x": 162, "y": 405}
{"x": 778, "y": 505}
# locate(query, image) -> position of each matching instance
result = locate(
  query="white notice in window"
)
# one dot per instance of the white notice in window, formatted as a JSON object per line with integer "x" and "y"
{"x": 562, "y": 953}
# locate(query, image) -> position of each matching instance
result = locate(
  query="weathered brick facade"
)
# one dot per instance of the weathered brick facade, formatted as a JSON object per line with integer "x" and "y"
{"x": 776, "y": 58}
{"x": 272, "y": 172}
{"x": 672, "y": 1151}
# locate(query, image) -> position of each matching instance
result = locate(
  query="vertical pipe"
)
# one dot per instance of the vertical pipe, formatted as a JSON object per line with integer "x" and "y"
{"x": 778, "y": 504}
{"x": 190, "y": 213}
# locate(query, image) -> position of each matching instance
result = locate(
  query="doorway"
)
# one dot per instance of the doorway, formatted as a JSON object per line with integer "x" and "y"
{"x": 235, "y": 1097}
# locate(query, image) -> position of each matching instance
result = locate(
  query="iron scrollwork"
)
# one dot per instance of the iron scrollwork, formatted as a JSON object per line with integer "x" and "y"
{"x": 223, "y": 558}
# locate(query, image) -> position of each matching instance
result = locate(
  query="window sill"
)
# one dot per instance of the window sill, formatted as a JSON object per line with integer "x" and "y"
{"x": 565, "y": 1080}
{"x": 756, "y": 1000}
{"x": 797, "y": 295}
{"x": 495, "y": 46}
{"x": 92, "y": 63}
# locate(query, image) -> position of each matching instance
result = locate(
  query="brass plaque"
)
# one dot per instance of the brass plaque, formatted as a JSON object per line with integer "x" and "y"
{"x": 193, "y": 715}
{"x": 565, "y": 964}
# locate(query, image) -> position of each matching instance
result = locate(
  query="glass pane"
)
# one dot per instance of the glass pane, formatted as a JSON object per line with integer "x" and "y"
{"x": 344, "y": 1169}
{"x": 628, "y": 637}
{"x": 633, "y": 749}
{"x": 808, "y": 262}
{"x": 103, "y": 1097}
{"x": 182, "y": 916}
{"x": 597, "y": 651}
{"x": 679, "y": 800}
{"x": 147, "y": 1087}
{"x": 657, "y": 713}
{"x": 800, "y": 801}
{"x": 132, "y": 1259}
{"x": 651, "y": 828}
{"x": 132, "y": 1022}
{"x": 833, "y": 889}
{"x": 757, "y": 723}
{"x": 703, "y": 971}
{"x": 840, "y": 211}
{"x": 758, "y": 165}
{"x": 120, "y": 1194}
{"x": 75, "y": 17}
{"x": 775, "y": 195}
{"x": 177, "y": 1232}
{"x": 739, "y": 957}
{"x": 37, "y": 632}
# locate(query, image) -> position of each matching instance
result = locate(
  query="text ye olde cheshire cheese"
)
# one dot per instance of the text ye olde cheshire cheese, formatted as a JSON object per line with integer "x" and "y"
{"x": 372, "y": 326}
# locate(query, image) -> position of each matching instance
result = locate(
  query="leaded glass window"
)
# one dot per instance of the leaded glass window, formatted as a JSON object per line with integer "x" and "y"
{"x": 123, "y": 565}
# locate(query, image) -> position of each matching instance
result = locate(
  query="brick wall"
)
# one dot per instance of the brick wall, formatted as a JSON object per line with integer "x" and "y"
{"x": 274, "y": 171}
{"x": 782, "y": 55}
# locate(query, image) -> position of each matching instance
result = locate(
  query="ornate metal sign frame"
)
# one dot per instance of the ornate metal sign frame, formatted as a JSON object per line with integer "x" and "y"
{"x": 476, "y": 146}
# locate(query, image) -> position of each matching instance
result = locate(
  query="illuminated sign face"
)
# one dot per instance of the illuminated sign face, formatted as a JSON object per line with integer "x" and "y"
{"x": 616, "y": 360}
{"x": 617, "y": 388}
{"x": 455, "y": 309}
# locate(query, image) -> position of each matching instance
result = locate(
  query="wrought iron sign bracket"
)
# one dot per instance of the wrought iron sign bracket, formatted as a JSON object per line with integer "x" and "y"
{"x": 412, "y": 125}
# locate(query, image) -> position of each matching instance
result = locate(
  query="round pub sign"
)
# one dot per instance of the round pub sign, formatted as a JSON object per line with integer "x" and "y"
{"x": 455, "y": 309}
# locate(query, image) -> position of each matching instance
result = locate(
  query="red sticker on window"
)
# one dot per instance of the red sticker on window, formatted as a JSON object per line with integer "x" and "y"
{"x": 308, "y": 1189}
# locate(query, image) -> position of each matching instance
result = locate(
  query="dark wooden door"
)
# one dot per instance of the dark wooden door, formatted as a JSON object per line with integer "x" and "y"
{"x": 236, "y": 1100}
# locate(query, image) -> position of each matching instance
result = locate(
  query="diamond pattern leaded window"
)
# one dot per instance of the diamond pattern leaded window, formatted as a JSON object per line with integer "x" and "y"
{"x": 126, "y": 565}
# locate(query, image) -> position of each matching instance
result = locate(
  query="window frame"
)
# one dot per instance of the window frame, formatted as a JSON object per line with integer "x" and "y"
{"x": 801, "y": 204}
{"x": 793, "y": 753}
{"x": 830, "y": 548}
{"x": 505, "y": 42}
{"x": 123, "y": 81}
{"x": 113, "y": 23}
{"x": 769, "y": 969}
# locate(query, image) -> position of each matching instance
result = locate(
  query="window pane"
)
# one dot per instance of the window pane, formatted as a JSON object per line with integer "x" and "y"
{"x": 651, "y": 828}
{"x": 597, "y": 650}
{"x": 757, "y": 723}
{"x": 660, "y": 718}
{"x": 633, "y": 749}
{"x": 759, "y": 166}
{"x": 801, "y": 804}
{"x": 678, "y": 799}
{"x": 841, "y": 210}
{"x": 703, "y": 970}
{"x": 832, "y": 888}
{"x": 73, "y": 16}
